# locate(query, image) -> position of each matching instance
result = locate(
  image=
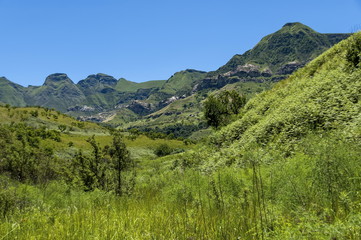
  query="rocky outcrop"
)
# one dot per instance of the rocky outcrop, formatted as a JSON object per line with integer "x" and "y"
{"x": 83, "y": 108}
{"x": 56, "y": 78}
{"x": 138, "y": 107}
{"x": 289, "y": 68}
{"x": 98, "y": 81}
{"x": 100, "y": 117}
{"x": 250, "y": 71}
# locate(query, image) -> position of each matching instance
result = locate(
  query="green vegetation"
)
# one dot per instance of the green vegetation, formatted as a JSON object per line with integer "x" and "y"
{"x": 11, "y": 93}
{"x": 124, "y": 85}
{"x": 182, "y": 82}
{"x": 219, "y": 109}
{"x": 288, "y": 167}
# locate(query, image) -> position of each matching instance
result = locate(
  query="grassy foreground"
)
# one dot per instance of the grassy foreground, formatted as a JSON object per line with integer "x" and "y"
{"x": 313, "y": 195}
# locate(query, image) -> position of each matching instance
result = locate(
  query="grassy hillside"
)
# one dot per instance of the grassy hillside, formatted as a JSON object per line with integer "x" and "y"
{"x": 323, "y": 96}
{"x": 124, "y": 85}
{"x": 182, "y": 82}
{"x": 58, "y": 91}
{"x": 11, "y": 93}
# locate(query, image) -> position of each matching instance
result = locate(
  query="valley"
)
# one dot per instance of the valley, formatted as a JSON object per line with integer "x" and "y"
{"x": 114, "y": 159}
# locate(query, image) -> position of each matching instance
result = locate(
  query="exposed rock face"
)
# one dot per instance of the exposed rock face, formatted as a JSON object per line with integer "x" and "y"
{"x": 139, "y": 107}
{"x": 100, "y": 117}
{"x": 248, "y": 70}
{"x": 214, "y": 82}
{"x": 243, "y": 73}
{"x": 84, "y": 108}
{"x": 57, "y": 78}
{"x": 97, "y": 80}
{"x": 289, "y": 68}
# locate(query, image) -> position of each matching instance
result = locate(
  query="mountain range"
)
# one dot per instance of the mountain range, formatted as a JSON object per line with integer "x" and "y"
{"x": 101, "y": 97}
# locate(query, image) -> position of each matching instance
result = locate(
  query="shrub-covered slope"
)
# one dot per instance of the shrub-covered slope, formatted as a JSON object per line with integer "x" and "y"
{"x": 323, "y": 96}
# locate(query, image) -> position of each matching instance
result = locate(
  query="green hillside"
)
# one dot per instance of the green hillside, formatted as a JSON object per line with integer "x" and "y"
{"x": 323, "y": 96}
{"x": 58, "y": 91}
{"x": 11, "y": 93}
{"x": 124, "y": 85}
{"x": 293, "y": 154}
{"x": 182, "y": 82}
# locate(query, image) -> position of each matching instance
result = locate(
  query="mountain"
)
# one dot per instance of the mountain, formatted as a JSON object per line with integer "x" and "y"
{"x": 275, "y": 57}
{"x": 182, "y": 82}
{"x": 58, "y": 91}
{"x": 99, "y": 90}
{"x": 12, "y": 93}
{"x": 124, "y": 85}
{"x": 322, "y": 97}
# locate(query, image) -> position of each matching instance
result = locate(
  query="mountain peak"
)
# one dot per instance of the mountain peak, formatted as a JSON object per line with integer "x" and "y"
{"x": 292, "y": 24}
{"x": 57, "y": 78}
{"x": 94, "y": 79}
{"x": 295, "y": 27}
{"x": 293, "y": 42}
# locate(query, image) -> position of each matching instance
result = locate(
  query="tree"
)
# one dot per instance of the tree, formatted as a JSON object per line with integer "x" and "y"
{"x": 163, "y": 150}
{"x": 62, "y": 128}
{"x": 213, "y": 111}
{"x": 121, "y": 161}
{"x": 97, "y": 164}
{"x": 219, "y": 108}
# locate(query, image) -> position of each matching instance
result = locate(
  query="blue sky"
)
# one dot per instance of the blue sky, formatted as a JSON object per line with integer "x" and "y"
{"x": 143, "y": 40}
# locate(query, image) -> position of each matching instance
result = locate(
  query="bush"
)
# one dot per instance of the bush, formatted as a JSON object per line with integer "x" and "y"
{"x": 163, "y": 150}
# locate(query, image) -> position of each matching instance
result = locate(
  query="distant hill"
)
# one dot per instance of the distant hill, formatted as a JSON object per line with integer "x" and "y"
{"x": 12, "y": 93}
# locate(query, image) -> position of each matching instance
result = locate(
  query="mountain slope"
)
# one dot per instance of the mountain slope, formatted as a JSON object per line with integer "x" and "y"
{"x": 294, "y": 42}
{"x": 275, "y": 57}
{"x": 182, "y": 82}
{"x": 58, "y": 92}
{"x": 324, "y": 96}
{"x": 99, "y": 91}
{"x": 124, "y": 85}
{"x": 12, "y": 93}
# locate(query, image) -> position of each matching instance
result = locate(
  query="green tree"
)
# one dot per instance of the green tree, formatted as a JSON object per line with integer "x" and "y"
{"x": 62, "y": 128}
{"x": 163, "y": 150}
{"x": 121, "y": 161}
{"x": 219, "y": 108}
{"x": 97, "y": 164}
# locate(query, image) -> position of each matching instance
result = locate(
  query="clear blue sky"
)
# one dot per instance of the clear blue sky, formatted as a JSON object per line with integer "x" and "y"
{"x": 143, "y": 40}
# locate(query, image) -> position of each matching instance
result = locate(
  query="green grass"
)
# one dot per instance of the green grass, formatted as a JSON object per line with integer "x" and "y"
{"x": 182, "y": 82}
{"x": 291, "y": 202}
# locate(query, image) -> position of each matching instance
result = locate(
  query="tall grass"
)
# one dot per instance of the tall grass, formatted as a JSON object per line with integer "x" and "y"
{"x": 312, "y": 195}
